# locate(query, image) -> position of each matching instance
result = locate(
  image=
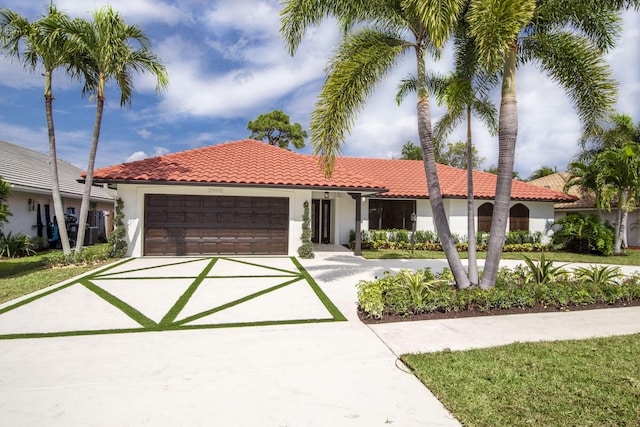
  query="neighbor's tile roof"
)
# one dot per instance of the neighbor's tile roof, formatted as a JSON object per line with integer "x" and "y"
{"x": 406, "y": 178}
{"x": 585, "y": 198}
{"x": 28, "y": 170}
{"x": 257, "y": 163}
{"x": 240, "y": 162}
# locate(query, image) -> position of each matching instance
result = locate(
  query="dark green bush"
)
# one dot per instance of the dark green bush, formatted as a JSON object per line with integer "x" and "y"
{"x": 584, "y": 234}
{"x": 15, "y": 245}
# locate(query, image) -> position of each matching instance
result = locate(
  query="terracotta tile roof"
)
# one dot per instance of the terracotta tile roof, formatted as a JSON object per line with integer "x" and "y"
{"x": 585, "y": 199}
{"x": 240, "y": 162}
{"x": 406, "y": 178}
{"x": 257, "y": 163}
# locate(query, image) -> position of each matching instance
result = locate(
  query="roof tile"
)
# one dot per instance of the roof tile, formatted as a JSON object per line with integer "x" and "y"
{"x": 257, "y": 163}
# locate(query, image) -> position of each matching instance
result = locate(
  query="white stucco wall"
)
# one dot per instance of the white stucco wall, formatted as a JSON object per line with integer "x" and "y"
{"x": 133, "y": 198}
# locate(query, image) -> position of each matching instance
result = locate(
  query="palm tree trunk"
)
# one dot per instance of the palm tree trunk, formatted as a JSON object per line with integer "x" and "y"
{"x": 58, "y": 208}
{"x": 621, "y": 222}
{"x": 433, "y": 184}
{"x": 471, "y": 224}
{"x": 88, "y": 182}
{"x": 507, "y": 135}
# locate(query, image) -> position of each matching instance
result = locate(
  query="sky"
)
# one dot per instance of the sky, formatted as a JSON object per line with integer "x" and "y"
{"x": 227, "y": 64}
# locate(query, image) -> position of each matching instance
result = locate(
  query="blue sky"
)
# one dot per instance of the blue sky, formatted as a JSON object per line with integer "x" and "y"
{"x": 227, "y": 64}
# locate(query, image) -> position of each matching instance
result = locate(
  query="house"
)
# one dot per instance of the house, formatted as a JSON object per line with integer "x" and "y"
{"x": 247, "y": 197}
{"x": 30, "y": 201}
{"x": 585, "y": 203}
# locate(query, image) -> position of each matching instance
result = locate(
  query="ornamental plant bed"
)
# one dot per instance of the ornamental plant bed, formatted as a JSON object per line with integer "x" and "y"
{"x": 536, "y": 287}
{"x": 439, "y": 315}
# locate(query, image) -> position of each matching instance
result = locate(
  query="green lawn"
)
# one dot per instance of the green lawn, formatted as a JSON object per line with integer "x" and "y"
{"x": 632, "y": 257}
{"x": 593, "y": 382}
{"x": 21, "y": 276}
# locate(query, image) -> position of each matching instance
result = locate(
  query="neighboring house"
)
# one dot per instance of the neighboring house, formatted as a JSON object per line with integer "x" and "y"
{"x": 30, "y": 201}
{"x": 586, "y": 204}
{"x": 247, "y": 197}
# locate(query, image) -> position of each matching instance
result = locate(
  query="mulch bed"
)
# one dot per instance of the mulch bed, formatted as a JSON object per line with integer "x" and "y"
{"x": 389, "y": 318}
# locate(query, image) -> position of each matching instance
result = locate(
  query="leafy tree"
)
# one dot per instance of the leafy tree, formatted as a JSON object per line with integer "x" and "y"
{"x": 276, "y": 128}
{"x": 410, "y": 151}
{"x": 615, "y": 132}
{"x": 542, "y": 172}
{"x": 566, "y": 40}
{"x": 42, "y": 44}
{"x": 108, "y": 48}
{"x": 456, "y": 155}
{"x": 377, "y": 33}
{"x": 5, "y": 190}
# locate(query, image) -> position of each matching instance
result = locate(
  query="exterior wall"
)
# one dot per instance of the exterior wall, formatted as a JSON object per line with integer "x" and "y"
{"x": 133, "y": 198}
{"x": 24, "y": 215}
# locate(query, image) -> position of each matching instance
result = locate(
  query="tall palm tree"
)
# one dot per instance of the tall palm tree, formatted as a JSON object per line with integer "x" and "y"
{"x": 377, "y": 33}
{"x": 465, "y": 92}
{"x": 103, "y": 50}
{"x": 42, "y": 45}
{"x": 542, "y": 172}
{"x": 566, "y": 40}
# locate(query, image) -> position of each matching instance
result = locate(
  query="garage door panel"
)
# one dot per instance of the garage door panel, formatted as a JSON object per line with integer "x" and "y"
{"x": 189, "y": 225}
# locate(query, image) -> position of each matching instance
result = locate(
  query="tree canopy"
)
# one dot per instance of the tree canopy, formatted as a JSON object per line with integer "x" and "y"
{"x": 275, "y": 127}
{"x": 5, "y": 190}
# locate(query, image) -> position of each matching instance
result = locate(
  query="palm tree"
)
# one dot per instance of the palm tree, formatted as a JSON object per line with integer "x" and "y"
{"x": 566, "y": 40}
{"x": 542, "y": 172}
{"x": 466, "y": 94}
{"x": 618, "y": 177}
{"x": 377, "y": 33}
{"x": 103, "y": 51}
{"x": 42, "y": 44}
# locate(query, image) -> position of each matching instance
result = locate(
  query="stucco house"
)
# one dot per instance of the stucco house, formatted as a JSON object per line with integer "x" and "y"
{"x": 247, "y": 197}
{"x": 30, "y": 201}
{"x": 585, "y": 203}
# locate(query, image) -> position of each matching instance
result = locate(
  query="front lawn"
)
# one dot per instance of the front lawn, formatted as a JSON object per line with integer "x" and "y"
{"x": 593, "y": 382}
{"x": 632, "y": 256}
{"x": 21, "y": 276}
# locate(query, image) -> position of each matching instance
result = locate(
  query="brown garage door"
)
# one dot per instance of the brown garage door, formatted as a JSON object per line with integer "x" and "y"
{"x": 194, "y": 225}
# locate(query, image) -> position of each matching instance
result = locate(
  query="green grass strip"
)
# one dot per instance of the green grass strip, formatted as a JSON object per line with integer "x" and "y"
{"x": 253, "y": 264}
{"x": 186, "y": 296}
{"x": 148, "y": 268}
{"x": 337, "y": 315}
{"x": 134, "y": 314}
{"x": 236, "y": 302}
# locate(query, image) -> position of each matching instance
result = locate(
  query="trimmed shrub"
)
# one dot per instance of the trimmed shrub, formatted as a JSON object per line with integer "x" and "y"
{"x": 584, "y": 234}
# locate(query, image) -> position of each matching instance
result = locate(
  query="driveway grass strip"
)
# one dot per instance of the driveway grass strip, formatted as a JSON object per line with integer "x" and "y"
{"x": 133, "y": 313}
{"x": 337, "y": 315}
{"x": 235, "y": 302}
{"x": 186, "y": 296}
{"x": 153, "y": 267}
{"x": 268, "y": 267}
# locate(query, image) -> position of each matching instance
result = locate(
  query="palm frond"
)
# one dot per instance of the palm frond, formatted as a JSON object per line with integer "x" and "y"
{"x": 362, "y": 60}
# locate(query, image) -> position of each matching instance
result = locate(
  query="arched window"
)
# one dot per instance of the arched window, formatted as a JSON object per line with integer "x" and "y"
{"x": 519, "y": 218}
{"x": 485, "y": 213}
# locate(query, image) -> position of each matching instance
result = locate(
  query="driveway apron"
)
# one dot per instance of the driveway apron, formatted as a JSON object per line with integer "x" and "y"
{"x": 204, "y": 341}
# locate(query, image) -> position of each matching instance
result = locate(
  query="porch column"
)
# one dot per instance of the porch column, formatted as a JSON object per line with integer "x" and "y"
{"x": 358, "y": 198}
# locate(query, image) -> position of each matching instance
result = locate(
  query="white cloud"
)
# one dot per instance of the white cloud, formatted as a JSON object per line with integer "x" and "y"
{"x": 134, "y": 12}
{"x": 138, "y": 155}
{"x": 144, "y": 133}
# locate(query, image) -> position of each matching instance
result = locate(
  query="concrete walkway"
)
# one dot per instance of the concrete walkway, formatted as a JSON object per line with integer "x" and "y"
{"x": 322, "y": 372}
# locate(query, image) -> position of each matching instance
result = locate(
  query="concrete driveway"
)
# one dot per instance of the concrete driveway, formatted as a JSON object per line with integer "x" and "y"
{"x": 205, "y": 342}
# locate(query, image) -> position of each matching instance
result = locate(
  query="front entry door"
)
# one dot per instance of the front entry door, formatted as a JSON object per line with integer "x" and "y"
{"x": 321, "y": 221}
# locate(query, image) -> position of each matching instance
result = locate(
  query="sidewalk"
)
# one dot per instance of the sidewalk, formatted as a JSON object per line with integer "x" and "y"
{"x": 490, "y": 331}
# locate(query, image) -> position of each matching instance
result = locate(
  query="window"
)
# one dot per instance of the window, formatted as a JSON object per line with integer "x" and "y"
{"x": 388, "y": 214}
{"x": 519, "y": 218}
{"x": 485, "y": 214}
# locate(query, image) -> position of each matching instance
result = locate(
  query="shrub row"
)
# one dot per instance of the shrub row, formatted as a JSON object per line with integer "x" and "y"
{"x": 422, "y": 291}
